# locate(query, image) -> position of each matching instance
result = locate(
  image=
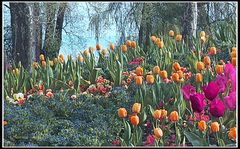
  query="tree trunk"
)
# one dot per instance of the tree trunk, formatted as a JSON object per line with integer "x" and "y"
{"x": 140, "y": 33}
{"x": 53, "y": 34}
{"x": 59, "y": 26}
{"x": 194, "y": 22}
{"x": 37, "y": 29}
{"x": 187, "y": 24}
{"x": 145, "y": 27}
{"x": 20, "y": 20}
{"x": 49, "y": 45}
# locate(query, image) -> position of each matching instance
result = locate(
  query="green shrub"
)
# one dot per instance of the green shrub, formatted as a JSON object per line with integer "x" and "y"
{"x": 61, "y": 121}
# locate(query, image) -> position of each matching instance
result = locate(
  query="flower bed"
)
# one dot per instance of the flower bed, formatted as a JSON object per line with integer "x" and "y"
{"x": 165, "y": 96}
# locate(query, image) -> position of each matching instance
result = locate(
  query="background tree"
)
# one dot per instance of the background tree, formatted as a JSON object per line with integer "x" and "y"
{"x": 20, "y": 20}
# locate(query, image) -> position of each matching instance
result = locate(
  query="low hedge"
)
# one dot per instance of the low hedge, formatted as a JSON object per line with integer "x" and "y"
{"x": 61, "y": 121}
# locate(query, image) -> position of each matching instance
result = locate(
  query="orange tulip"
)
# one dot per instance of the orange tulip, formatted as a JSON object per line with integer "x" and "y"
{"x": 156, "y": 70}
{"x": 203, "y": 39}
{"x": 160, "y": 44}
{"x": 207, "y": 60}
{"x": 158, "y": 133}
{"x": 157, "y": 114}
{"x": 157, "y": 40}
{"x": 233, "y": 133}
{"x": 136, "y": 108}
{"x": 139, "y": 71}
{"x": 35, "y": 65}
{"x": 98, "y": 47}
{"x": 202, "y": 125}
{"x": 128, "y": 43}
{"x": 163, "y": 113}
{"x": 171, "y": 33}
{"x": 200, "y": 66}
{"x": 124, "y": 48}
{"x": 133, "y": 44}
{"x": 199, "y": 77}
{"x": 112, "y": 46}
{"x": 104, "y": 52}
{"x": 175, "y": 77}
{"x": 219, "y": 69}
{"x": 163, "y": 74}
{"x": 60, "y": 58}
{"x": 234, "y": 61}
{"x": 91, "y": 49}
{"x": 150, "y": 79}
{"x": 213, "y": 51}
{"x": 85, "y": 52}
{"x": 5, "y": 123}
{"x": 178, "y": 38}
{"x": 138, "y": 80}
{"x": 80, "y": 59}
{"x": 180, "y": 73}
{"x": 173, "y": 116}
{"x": 215, "y": 127}
{"x": 44, "y": 64}
{"x": 233, "y": 54}
{"x": 122, "y": 112}
{"x": 153, "y": 38}
{"x": 202, "y": 34}
{"x": 176, "y": 66}
{"x": 41, "y": 57}
{"x": 134, "y": 119}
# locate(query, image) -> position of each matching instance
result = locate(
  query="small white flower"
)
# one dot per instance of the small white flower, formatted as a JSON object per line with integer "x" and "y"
{"x": 11, "y": 100}
{"x": 18, "y": 96}
{"x": 73, "y": 96}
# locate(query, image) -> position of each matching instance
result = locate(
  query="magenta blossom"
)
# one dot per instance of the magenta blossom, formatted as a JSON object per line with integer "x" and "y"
{"x": 217, "y": 108}
{"x": 167, "y": 80}
{"x": 230, "y": 101}
{"x": 201, "y": 116}
{"x": 211, "y": 90}
{"x": 149, "y": 141}
{"x": 222, "y": 82}
{"x": 116, "y": 142}
{"x": 233, "y": 77}
{"x": 138, "y": 59}
{"x": 197, "y": 101}
{"x": 133, "y": 63}
{"x": 188, "y": 90}
{"x": 228, "y": 68}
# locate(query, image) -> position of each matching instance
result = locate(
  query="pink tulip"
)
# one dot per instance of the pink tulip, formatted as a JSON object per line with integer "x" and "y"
{"x": 228, "y": 68}
{"x": 217, "y": 108}
{"x": 211, "y": 90}
{"x": 201, "y": 116}
{"x": 116, "y": 142}
{"x": 233, "y": 77}
{"x": 221, "y": 81}
{"x": 197, "y": 101}
{"x": 150, "y": 141}
{"x": 230, "y": 101}
{"x": 188, "y": 90}
{"x": 133, "y": 63}
{"x": 40, "y": 92}
{"x": 49, "y": 95}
